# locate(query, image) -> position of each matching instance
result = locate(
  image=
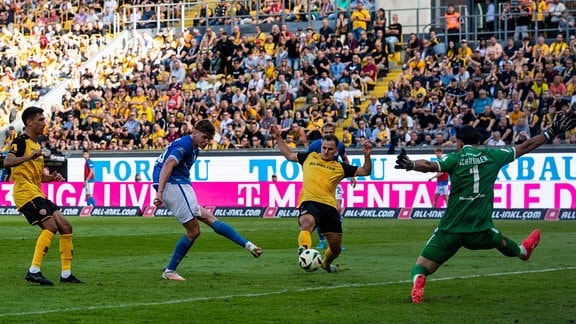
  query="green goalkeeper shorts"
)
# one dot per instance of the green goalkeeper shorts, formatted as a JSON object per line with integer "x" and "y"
{"x": 443, "y": 245}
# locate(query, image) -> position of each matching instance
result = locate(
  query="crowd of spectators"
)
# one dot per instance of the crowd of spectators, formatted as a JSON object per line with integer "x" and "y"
{"x": 508, "y": 92}
{"x": 153, "y": 90}
{"x": 37, "y": 52}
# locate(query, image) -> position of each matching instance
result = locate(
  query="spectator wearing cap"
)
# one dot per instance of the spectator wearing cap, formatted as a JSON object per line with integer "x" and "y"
{"x": 346, "y": 55}
{"x": 465, "y": 52}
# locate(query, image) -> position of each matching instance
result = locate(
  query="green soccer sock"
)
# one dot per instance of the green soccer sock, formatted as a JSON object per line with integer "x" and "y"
{"x": 419, "y": 270}
{"x": 512, "y": 249}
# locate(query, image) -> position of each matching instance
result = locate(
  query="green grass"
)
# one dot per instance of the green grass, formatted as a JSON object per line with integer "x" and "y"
{"x": 121, "y": 260}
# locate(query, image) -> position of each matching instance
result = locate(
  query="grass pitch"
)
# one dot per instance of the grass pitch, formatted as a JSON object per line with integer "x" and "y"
{"x": 121, "y": 260}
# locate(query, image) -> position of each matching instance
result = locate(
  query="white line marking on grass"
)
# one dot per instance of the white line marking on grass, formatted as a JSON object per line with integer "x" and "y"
{"x": 270, "y": 293}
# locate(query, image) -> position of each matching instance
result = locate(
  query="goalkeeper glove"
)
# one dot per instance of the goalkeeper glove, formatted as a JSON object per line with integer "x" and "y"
{"x": 403, "y": 162}
{"x": 562, "y": 123}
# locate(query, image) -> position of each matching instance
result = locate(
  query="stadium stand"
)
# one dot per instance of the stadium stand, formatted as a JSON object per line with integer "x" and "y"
{"x": 138, "y": 74}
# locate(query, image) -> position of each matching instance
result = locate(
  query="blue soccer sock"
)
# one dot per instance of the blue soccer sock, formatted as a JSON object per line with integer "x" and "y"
{"x": 229, "y": 232}
{"x": 182, "y": 247}
{"x": 91, "y": 202}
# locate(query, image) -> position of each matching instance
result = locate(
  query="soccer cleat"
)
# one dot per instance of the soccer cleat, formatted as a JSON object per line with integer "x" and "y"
{"x": 321, "y": 244}
{"x": 418, "y": 289}
{"x": 172, "y": 275}
{"x": 71, "y": 279}
{"x": 38, "y": 278}
{"x": 530, "y": 243}
{"x": 256, "y": 251}
{"x": 331, "y": 268}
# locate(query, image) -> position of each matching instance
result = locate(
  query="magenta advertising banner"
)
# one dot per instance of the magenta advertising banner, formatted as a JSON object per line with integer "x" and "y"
{"x": 284, "y": 194}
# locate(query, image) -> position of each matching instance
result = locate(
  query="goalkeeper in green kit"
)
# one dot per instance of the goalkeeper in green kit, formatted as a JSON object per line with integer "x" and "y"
{"x": 467, "y": 221}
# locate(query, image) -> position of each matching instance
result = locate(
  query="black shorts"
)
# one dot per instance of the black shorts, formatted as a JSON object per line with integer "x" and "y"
{"x": 38, "y": 210}
{"x": 326, "y": 216}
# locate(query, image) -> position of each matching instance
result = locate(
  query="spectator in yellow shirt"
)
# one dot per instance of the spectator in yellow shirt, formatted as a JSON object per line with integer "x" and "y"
{"x": 360, "y": 19}
{"x": 157, "y": 133}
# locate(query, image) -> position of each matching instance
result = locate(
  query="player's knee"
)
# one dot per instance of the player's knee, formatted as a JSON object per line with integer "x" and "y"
{"x": 65, "y": 229}
{"x": 192, "y": 235}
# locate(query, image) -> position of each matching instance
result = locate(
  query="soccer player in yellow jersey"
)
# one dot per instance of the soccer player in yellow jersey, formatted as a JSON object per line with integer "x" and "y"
{"x": 321, "y": 175}
{"x": 26, "y": 162}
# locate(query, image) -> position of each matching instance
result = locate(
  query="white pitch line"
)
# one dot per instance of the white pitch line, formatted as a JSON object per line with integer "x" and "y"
{"x": 270, "y": 293}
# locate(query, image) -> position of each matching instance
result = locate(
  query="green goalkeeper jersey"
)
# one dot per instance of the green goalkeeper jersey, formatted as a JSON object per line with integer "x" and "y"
{"x": 473, "y": 173}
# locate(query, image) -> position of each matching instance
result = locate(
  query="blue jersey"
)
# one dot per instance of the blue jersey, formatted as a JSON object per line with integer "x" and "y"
{"x": 87, "y": 166}
{"x": 183, "y": 151}
{"x": 316, "y": 146}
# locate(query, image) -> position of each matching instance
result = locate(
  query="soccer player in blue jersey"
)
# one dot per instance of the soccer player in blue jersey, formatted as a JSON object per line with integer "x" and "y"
{"x": 88, "y": 179}
{"x": 316, "y": 146}
{"x": 173, "y": 189}
{"x": 467, "y": 221}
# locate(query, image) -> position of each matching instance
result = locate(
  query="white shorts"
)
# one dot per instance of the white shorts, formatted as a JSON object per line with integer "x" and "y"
{"x": 339, "y": 192}
{"x": 182, "y": 202}
{"x": 442, "y": 189}
{"x": 89, "y": 189}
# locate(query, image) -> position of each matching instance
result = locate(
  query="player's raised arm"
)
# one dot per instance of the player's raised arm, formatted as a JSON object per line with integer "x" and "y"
{"x": 404, "y": 162}
{"x": 366, "y": 168}
{"x": 286, "y": 151}
{"x": 563, "y": 122}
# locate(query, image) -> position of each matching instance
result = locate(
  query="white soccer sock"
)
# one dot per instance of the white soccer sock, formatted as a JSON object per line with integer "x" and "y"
{"x": 34, "y": 269}
{"x": 249, "y": 246}
{"x": 65, "y": 273}
{"x": 522, "y": 251}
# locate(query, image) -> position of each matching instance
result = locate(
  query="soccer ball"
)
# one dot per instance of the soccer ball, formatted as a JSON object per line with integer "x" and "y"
{"x": 310, "y": 260}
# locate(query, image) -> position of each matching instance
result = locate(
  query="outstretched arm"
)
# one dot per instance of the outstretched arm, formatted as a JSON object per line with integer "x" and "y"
{"x": 404, "y": 162}
{"x": 286, "y": 151}
{"x": 563, "y": 122}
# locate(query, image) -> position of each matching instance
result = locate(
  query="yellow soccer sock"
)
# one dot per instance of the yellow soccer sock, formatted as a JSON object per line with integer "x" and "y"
{"x": 305, "y": 239}
{"x": 42, "y": 245}
{"x": 328, "y": 258}
{"x": 66, "y": 252}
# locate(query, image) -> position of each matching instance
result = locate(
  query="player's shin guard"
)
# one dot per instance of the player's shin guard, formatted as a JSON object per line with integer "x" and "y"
{"x": 512, "y": 249}
{"x": 182, "y": 247}
{"x": 229, "y": 232}
{"x": 305, "y": 239}
{"x": 42, "y": 245}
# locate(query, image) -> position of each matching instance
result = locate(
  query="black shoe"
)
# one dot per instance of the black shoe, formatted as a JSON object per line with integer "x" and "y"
{"x": 71, "y": 279}
{"x": 38, "y": 278}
